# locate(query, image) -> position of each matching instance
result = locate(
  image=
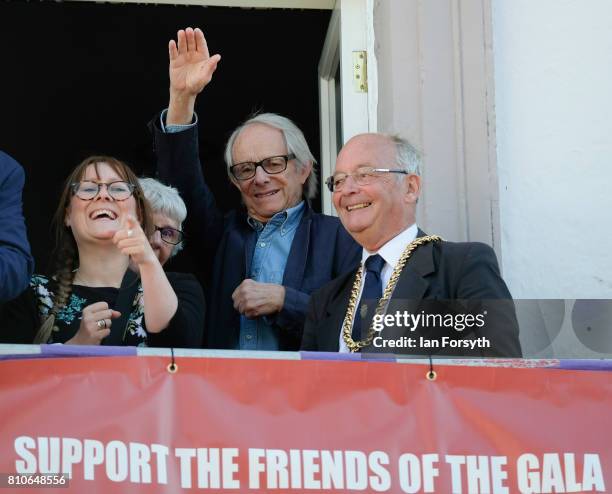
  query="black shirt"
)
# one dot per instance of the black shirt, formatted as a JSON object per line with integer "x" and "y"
{"x": 22, "y": 318}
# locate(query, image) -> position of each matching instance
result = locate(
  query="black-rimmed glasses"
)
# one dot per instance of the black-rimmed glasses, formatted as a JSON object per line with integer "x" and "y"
{"x": 363, "y": 176}
{"x": 170, "y": 235}
{"x": 88, "y": 190}
{"x": 271, "y": 165}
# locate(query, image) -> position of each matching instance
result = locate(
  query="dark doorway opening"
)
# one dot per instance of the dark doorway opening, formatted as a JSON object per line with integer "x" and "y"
{"x": 83, "y": 78}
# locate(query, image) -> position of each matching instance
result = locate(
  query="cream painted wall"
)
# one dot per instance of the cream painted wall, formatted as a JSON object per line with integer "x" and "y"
{"x": 417, "y": 100}
{"x": 510, "y": 102}
{"x": 435, "y": 87}
{"x": 553, "y": 85}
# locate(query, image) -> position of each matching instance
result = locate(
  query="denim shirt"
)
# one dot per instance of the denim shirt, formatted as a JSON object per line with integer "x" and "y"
{"x": 274, "y": 241}
{"x": 272, "y": 248}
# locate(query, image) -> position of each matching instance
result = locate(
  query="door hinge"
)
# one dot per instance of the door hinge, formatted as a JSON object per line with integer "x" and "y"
{"x": 360, "y": 71}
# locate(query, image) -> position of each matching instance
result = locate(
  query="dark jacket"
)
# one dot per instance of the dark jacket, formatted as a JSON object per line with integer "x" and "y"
{"x": 16, "y": 263}
{"x": 223, "y": 245}
{"x": 442, "y": 276}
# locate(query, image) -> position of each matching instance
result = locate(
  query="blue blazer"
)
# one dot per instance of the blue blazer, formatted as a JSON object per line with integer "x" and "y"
{"x": 16, "y": 262}
{"x": 223, "y": 247}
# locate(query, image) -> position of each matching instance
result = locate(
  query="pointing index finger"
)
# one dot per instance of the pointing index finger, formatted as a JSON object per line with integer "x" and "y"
{"x": 129, "y": 225}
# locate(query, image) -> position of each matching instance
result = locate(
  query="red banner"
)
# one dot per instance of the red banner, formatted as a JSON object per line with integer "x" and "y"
{"x": 125, "y": 424}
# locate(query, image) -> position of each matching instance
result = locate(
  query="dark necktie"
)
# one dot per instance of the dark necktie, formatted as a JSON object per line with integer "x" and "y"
{"x": 372, "y": 293}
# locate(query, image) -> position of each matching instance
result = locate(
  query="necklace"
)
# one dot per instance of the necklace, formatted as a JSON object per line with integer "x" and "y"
{"x": 347, "y": 325}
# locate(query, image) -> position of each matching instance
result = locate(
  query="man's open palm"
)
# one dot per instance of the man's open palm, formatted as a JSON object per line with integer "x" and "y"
{"x": 191, "y": 66}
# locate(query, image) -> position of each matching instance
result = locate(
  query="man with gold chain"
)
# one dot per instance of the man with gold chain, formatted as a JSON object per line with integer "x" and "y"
{"x": 413, "y": 293}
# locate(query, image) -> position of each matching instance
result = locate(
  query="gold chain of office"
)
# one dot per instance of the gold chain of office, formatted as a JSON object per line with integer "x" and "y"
{"x": 347, "y": 327}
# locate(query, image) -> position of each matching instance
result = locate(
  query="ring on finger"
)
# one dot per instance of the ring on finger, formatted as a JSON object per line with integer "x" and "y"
{"x": 101, "y": 324}
{"x": 130, "y": 232}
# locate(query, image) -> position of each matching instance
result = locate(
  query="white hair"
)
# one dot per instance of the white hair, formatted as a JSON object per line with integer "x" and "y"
{"x": 165, "y": 200}
{"x": 294, "y": 140}
{"x": 406, "y": 155}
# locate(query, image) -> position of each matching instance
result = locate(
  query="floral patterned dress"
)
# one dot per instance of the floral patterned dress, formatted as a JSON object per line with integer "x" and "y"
{"x": 69, "y": 317}
{"x": 22, "y": 317}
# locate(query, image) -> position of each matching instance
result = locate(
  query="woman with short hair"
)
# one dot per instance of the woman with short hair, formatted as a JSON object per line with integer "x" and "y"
{"x": 168, "y": 211}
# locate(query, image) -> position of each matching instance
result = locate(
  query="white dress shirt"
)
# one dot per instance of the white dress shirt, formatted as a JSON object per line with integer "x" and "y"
{"x": 390, "y": 252}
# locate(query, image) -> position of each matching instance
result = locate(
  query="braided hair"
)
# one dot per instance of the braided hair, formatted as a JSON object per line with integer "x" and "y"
{"x": 66, "y": 254}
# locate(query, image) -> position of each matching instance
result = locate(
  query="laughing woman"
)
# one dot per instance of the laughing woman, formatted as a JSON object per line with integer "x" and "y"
{"x": 102, "y": 223}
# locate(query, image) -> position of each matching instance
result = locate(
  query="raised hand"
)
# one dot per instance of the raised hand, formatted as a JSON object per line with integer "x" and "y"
{"x": 131, "y": 240}
{"x": 95, "y": 325}
{"x": 191, "y": 69}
